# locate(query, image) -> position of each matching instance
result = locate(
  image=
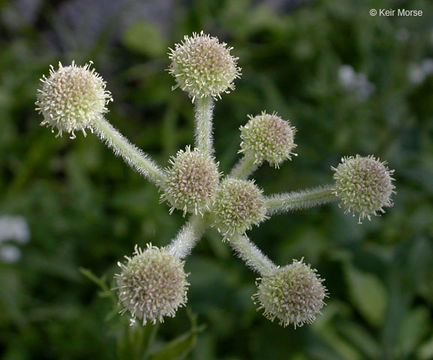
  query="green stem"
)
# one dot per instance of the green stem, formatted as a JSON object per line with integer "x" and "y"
{"x": 129, "y": 152}
{"x": 281, "y": 203}
{"x": 252, "y": 255}
{"x": 187, "y": 237}
{"x": 203, "y": 124}
{"x": 244, "y": 167}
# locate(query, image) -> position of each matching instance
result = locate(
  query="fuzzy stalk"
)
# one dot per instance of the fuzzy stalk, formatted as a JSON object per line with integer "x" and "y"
{"x": 298, "y": 200}
{"x": 203, "y": 124}
{"x": 244, "y": 167}
{"x": 187, "y": 237}
{"x": 133, "y": 156}
{"x": 251, "y": 255}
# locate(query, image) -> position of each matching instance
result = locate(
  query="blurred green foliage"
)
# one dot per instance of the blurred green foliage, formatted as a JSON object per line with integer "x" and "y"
{"x": 86, "y": 208}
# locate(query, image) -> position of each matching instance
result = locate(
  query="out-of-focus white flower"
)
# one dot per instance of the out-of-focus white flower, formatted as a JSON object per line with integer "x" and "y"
{"x": 9, "y": 253}
{"x": 418, "y": 73}
{"x": 357, "y": 83}
{"x": 14, "y": 228}
{"x": 427, "y": 66}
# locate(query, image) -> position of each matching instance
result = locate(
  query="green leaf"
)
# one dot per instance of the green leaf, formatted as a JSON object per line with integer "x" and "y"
{"x": 101, "y": 282}
{"x": 425, "y": 351}
{"x": 144, "y": 38}
{"x": 11, "y": 298}
{"x": 324, "y": 326}
{"x": 415, "y": 326}
{"x": 93, "y": 278}
{"x": 359, "y": 336}
{"x": 420, "y": 260}
{"x": 181, "y": 346}
{"x": 175, "y": 349}
{"x": 339, "y": 345}
{"x": 134, "y": 341}
{"x": 368, "y": 294}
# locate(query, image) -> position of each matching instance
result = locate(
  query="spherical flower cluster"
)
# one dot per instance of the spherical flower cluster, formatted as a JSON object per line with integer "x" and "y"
{"x": 364, "y": 185}
{"x": 203, "y": 67}
{"x": 239, "y": 205}
{"x": 293, "y": 294}
{"x": 72, "y": 98}
{"x": 152, "y": 284}
{"x": 268, "y": 137}
{"x": 191, "y": 181}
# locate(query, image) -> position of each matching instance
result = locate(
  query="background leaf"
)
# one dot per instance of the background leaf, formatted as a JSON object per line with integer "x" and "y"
{"x": 368, "y": 295}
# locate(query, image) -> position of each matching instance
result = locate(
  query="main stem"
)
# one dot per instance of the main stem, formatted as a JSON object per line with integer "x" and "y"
{"x": 244, "y": 167}
{"x": 300, "y": 200}
{"x": 203, "y": 124}
{"x": 129, "y": 152}
{"x": 187, "y": 237}
{"x": 251, "y": 254}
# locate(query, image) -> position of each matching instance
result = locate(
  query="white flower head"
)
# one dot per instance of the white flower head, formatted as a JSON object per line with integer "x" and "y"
{"x": 152, "y": 285}
{"x": 363, "y": 185}
{"x": 293, "y": 294}
{"x": 268, "y": 137}
{"x": 191, "y": 181}
{"x": 239, "y": 204}
{"x": 72, "y": 98}
{"x": 203, "y": 67}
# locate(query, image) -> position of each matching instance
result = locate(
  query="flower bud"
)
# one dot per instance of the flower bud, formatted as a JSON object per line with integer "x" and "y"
{"x": 239, "y": 205}
{"x": 203, "y": 67}
{"x": 293, "y": 294}
{"x": 72, "y": 98}
{"x": 268, "y": 137}
{"x": 191, "y": 182}
{"x": 364, "y": 185}
{"x": 152, "y": 284}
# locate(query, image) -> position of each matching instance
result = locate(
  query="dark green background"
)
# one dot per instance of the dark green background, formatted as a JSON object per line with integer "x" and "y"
{"x": 86, "y": 208}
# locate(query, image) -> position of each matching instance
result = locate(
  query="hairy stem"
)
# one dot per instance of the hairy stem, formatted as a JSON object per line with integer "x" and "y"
{"x": 203, "y": 124}
{"x": 298, "y": 200}
{"x": 129, "y": 152}
{"x": 244, "y": 167}
{"x": 187, "y": 237}
{"x": 252, "y": 255}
